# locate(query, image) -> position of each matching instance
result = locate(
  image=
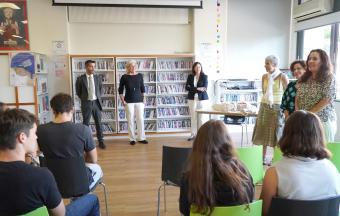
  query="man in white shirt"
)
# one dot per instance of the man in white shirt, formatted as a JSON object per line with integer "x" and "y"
{"x": 89, "y": 90}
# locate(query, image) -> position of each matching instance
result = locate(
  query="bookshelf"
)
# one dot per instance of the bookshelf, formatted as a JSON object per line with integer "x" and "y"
{"x": 41, "y": 89}
{"x": 239, "y": 90}
{"x": 172, "y": 103}
{"x": 105, "y": 69}
{"x": 147, "y": 67}
{"x": 33, "y": 97}
{"x": 166, "y": 108}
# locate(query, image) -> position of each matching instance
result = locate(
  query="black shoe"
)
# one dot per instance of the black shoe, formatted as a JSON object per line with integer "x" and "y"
{"x": 102, "y": 145}
{"x": 132, "y": 142}
{"x": 143, "y": 141}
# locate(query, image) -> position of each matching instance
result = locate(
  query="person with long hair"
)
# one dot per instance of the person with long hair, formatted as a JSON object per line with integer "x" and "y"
{"x": 316, "y": 91}
{"x": 3, "y": 107}
{"x": 215, "y": 176}
{"x": 269, "y": 122}
{"x": 298, "y": 68}
{"x": 196, "y": 85}
{"x": 304, "y": 172}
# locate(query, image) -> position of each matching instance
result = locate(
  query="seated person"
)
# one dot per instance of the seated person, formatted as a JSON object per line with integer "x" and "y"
{"x": 24, "y": 188}
{"x": 62, "y": 138}
{"x": 304, "y": 172}
{"x": 215, "y": 176}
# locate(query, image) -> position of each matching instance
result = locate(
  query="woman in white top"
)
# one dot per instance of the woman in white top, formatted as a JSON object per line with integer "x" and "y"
{"x": 269, "y": 121}
{"x": 304, "y": 173}
{"x": 196, "y": 85}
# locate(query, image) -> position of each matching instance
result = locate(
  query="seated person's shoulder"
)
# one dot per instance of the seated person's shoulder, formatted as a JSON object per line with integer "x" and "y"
{"x": 82, "y": 128}
{"x": 43, "y": 127}
{"x": 29, "y": 173}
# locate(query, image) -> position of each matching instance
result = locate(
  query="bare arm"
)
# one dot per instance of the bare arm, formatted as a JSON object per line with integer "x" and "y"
{"x": 91, "y": 156}
{"x": 286, "y": 113}
{"x": 58, "y": 211}
{"x": 319, "y": 106}
{"x": 122, "y": 99}
{"x": 329, "y": 93}
{"x": 263, "y": 79}
{"x": 269, "y": 189}
{"x": 285, "y": 81}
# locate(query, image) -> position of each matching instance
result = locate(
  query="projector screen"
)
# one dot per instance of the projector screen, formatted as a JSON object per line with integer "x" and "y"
{"x": 132, "y": 3}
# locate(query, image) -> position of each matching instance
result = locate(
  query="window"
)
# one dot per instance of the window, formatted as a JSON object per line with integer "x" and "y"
{"x": 326, "y": 38}
{"x": 317, "y": 38}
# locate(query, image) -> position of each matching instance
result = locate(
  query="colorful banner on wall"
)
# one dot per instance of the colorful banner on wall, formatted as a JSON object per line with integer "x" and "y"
{"x": 218, "y": 36}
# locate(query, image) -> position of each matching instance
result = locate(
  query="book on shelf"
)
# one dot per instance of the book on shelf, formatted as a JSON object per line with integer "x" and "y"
{"x": 150, "y": 89}
{"x": 108, "y": 90}
{"x": 105, "y": 65}
{"x": 42, "y": 84}
{"x": 174, "y": 124}
{"x": 142, "y": 64}
{"x": 148, "y": 126}
{"x": 106, "y": 116}
{"x": 108, "y": 103}
{"x": 43, "y": 103}
{"x": 171, "y": 88}
{"x": 174, "y": 65}
{"x": 249, "y": 97}
{"x": 172, "y": 100}
{"x": 172, "y": 76}
{"x": 106, "y": 127}
{"x": 148, "y": 114}
{"x": 173, "y": 111}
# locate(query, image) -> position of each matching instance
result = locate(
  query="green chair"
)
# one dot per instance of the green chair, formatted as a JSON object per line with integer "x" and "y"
{"x": 335, "y": 149}
{"x": 277, "y": 155}
{"x": 252, "y": 159}
{"x": 255, "y": 209}
{"x": 42, "y": 211}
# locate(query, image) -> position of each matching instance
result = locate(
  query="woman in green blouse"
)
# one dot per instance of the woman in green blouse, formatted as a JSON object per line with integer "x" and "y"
{"x": 298, "y": 68}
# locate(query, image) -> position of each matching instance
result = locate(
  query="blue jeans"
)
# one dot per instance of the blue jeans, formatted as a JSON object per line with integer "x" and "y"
{"x": 87, "y": 205}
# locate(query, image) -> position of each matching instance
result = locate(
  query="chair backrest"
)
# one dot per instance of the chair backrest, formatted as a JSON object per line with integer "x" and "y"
{"x": 255, "y": 209}
{"x": 70, "y": 174}
{"x": 287, "y": 207}
{"x": 277, "y": 154}
{"x": 234, "y": 120}
{"x": 174, "y": 162}
{"x": 335, "y": 149}
{"x": 252, "y": 159}
{"x": 42, "y": 211}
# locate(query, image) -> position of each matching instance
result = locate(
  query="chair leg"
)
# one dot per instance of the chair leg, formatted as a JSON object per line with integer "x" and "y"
{"x": 159, "y": 198}
{"x": 105, "y": 195}
{"x": 242, "y": 136}
{"x": 164, "y": 197}
{"x": 247, "y": 134}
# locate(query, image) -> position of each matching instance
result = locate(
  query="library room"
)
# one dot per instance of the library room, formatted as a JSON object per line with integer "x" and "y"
{"x": 172, "y": 107}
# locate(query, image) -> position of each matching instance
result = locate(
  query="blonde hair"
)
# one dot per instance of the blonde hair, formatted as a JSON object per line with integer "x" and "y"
{"x": 129, "y": 64}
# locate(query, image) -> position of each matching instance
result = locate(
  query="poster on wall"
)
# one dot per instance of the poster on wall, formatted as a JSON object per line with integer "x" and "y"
{"x": 22, "y": 69}
{"x": 13, "y": 25}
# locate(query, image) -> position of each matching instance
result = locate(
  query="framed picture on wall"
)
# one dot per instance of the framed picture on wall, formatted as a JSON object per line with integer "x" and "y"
{"x": 13, "y": 25}
{"x": 22, "y": 69}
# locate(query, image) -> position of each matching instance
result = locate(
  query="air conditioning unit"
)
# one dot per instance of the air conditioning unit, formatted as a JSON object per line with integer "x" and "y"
{"x": 311, "y": 8}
